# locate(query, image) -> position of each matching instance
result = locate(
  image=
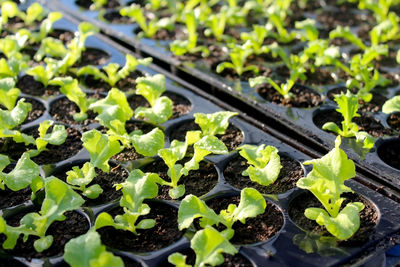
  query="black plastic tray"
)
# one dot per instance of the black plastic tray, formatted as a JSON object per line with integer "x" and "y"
{"x": 294, "y": 122}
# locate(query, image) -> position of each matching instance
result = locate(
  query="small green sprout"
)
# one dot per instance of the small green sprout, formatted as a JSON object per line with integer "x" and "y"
{"x": 238, "y": 55}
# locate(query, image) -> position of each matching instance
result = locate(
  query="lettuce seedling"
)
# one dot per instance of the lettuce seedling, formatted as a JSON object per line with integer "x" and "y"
{"x": 56, "y": 137}
{"x": 114, "y": 111}
{"x": 208, "y": 244}
{"x": 11, "y": 67}
{"x": 307, "y": 30}
{"x": 8, "y": 93}
{"x": 391, "y": 105}
{"x": 326, "y": 182}
{"x": 385, "y": 31}
{"x": 265, "y": 163}
{"x": 59, "y": 198}
{"x": 283, "y": 88}
{"x": 101, "y": 148}
{"x": 216, "y": 25}
{"x": 149, "y": 29}
{"x": 215, "y": 123}
{"x": 47, "y": 73}
{"x": 24, "y": 173}
{"x": 80, "y": 178}
{"x": 148, "y": 144}
{"x": 276, "y": 21}
{"x": 112, "y": 72}
{"x": 251, "y": 204}
{"x": 46, "y": 27}
{"x": 9, "y": 9}
{"x": 379, "y": 8}
{"x": 256, "y": 39}
{"x": 151, "y": 88}
{"x": 52, "y": 47}
{"x": 181, "y": 47}
{"x": 87, "y": 250}
{"x": 347, "y": 107}
{"x": 346, "y": 33}
{"x": 35, "y": 12}
{"x": 13, "y": 44}
{"x": 70, "y": 88}
{"x": 137, "y": 187}
{"x": 238, "y": 55}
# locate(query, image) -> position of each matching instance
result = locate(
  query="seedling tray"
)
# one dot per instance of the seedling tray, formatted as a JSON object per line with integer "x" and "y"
{"x": 279, "y": 250}
{"x": 295, "y": 122}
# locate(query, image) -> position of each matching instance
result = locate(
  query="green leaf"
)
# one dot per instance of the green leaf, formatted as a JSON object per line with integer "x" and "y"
{"x": 151, "y": 87}
{"x": 251, "y": 204}
{"x": 92, "y": 191}
{"x": 346, "y": 33}
{"x": 23, "y": 174}
{"x": 344, "y": 225}
{"x": 326, "y": 180}
{"x": 8, "y": 93}
{"x": 34, "y": 12}
{"x": 56, "y": 137}
{"x": 265, "y": 163}
{"x": 209, "y": 245}
{"x": 157, "y": 114}
{"x": 175, "y": 152}
{"x": 391, "y": 105}
{"x": 87, "y": 250}
{"x": 51, "y": 47}
{"x": 81, "y": 176}
{"x": 215, "y": 123}
{"x": 101, "y": 148}
{"x": 148, "y": 144}
{"x": 9, "y": 9}
{"x": 16, "y": 116}
{"x": 178, "y": 260}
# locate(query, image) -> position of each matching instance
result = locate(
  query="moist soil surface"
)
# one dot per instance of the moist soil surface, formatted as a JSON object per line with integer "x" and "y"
{"x": 232, "y": 138}
{"x": 198, "y": 182}
{"x": 113, "y": 16}
{"x": 63, "y": 110}
{"x": 394, "y": 121}
{"x": 389, "y": 153}
{"x": 290, "y": 173}
{"x": 303, "y": 97}
{"x": 36, "y": 112}
{"x": 332, "y": 19}
{"x": 92, "y": 56}
{"x": 164, "y": 233}
{"x": 236, "y": 260}
{"x": 64, "y": 36}
{"x": 99, "y": 85}
{"x": 28, "y": 85}
{"x": 9, "y": 198}
{"x": 106, "y": 181}
{"x": 74, "y": 226}
{"x": 129, "y": 154}
{"x": 365, "y": 122}
{"x": 53, "y": 154}
{"x": 257, "y": 229}
{"x": 181, "y": 105}
{"x": 368, "y": 217}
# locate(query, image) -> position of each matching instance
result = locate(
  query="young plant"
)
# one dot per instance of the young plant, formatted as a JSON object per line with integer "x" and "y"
{"x": 35, "y": 12}
{"x": 149, "y": 29}
{"x": 181, "y": 47}
{"x": 87, "y": 250}
{"x": 46, "y": 74}
{"x": 59, "y": 199}
{"x": 326, "y": 182}
{"x": 8, "y": 93}
{"x": 101, "y": 148}
{"x": 11, "y": 67}
{"x": 347, "y": 107}
{"x": 238, "y": 55}
{"x": 307, "y": 30}
{"x": 216, "y": 25}
{"x": 256, "y": 39}
{"x": 208, "y": 244}
{"x": 52, "y": 47}
{"x": 25, "y": 172}
{"x": 80, "y": 178}
{"x": 112, "y": 72}
{"x": 214, "y": 123}
{"x": 137, "y": 187}
{"x": 283, "y": 88}
{"x": 387, "y": 30}
{"x": 151, "y": 88}
{"x": 46, "y": 27}
{"x": 9, "y": 9}
{"x": 56, "y": 137}
{"x": 275, "y": 20}
{"x": 251, "y": 204}
{"x": 13, "y": 44}
{"x": 265, "y": 163}
{"x": 391, "y": 105}
{"x": 346, "y": 33}
{"x": 70, "y": 88}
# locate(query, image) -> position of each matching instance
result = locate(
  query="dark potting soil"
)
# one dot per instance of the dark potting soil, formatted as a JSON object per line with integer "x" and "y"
{"x": 87, "y": 3}
{"x": 320, "y": 76}
{"x": 113, "y": 16}
{"x": 181, "y": 105}
{"x": 53, "y": 154}
{"x": 9, "y": 198}
{"x": 332, "y": 19}
{"x": 236, "y": 260}
{"x": 106, "y": 181}
{"x": 63, "y": 110}
{"x": 164, "y": 233}
{"x": 303, "y": 97}
{"x": 28, "y": 85}
{"x": 99, "y": 85}
{"x": 64, "y": 36}
{"x": 394, "y": 121}
{"x": 74, "y": 226}
{"x": 127, "y": 262}
{"x": 290, "y": 173}
{"x": 129, "y": 154}
{"x": 389, "y": 153}
{"x": 232, "y": 138}
{"x": 365, "y": 122}
{"x": 36, "y": 112}
{"x": 257, "y": 229}
{"x": 92, "y": 56}
{"x": 197, "y": 182}
{"x": 368, "y": 217}
{"x": 374, "y": 105}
